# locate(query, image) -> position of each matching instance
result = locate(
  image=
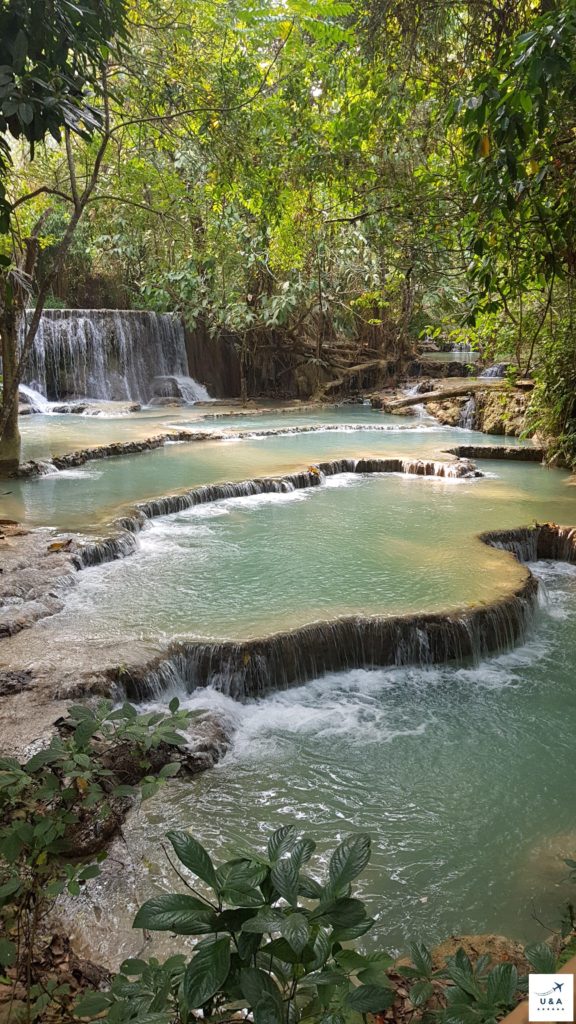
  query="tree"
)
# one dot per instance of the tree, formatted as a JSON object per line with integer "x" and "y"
{"x": 53, "y": 81}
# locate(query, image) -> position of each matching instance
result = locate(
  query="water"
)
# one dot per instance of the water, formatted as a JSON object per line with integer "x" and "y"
{"x": 464, "y": 778}
{"x": 249, "y": 566}
{"x": 468, "y": 414}
{"x": 34, "y": 399}
{"x": 463, "y": 775}
{"x": 105, "y": 354}
{"x": 92, "y": 495}
{"x": 185, "y": 388}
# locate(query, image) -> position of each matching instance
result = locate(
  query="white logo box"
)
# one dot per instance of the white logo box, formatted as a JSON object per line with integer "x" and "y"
{"x": 551, "y": 997}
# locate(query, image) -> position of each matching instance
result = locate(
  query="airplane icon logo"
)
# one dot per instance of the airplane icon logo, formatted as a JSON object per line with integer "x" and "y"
{"x": 551, "y": 997}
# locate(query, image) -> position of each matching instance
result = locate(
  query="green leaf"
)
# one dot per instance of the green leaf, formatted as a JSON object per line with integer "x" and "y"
{"x": 502, "y": 984}
{"x": 10, "y": 888}
{"x": 7, "y": 952}
{"x": 541, "y": 958}
{"x": 350, "y": 960}
{"x": 193, "y": 856}
{"x": 266, "y": 1012}
{"x": 349, "y": 860}
{"x": 241, "y": 897}
{"x": 133, "y": 966}
{"x": 422, "y": 959}
{"x": 296, "y": 931}
{"x": 421, "y": 992}
{"x": 91, "y": 1004}
{"x": 169, "y": 771}
{"x": 354, "y": 932}
{"x": 374, "y": 974}
{"x": 280, "y": 842}
{"x": 206, "y": 973}
{"x": 309, "y": 887}
{"x": 266, "y": 920}
{"x": 240, "y": 873}
{"x": 256, "y": 985}
{"x": 174, "y": 705}
{"x": 343, "y": 913}
{"x": 370, "y": 999}
{"x": 175, "y": 912}
{"x": 285, "y": 880}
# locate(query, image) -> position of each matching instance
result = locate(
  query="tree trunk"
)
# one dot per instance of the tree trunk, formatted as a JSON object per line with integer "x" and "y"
{"x": 10, "y": 439}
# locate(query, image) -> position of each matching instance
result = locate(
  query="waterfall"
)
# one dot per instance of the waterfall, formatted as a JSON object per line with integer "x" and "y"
{"x": 176, "y": 386}
{"x": 468, "y": 414}
{"x": 108, "y": 354}
{"x": 253, "y": 668}
{"x": 498, "y": 370}
{"x": 34, "y": 399}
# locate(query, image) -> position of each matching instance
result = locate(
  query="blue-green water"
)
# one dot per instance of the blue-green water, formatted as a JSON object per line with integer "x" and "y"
{"x": 463, "y": 775}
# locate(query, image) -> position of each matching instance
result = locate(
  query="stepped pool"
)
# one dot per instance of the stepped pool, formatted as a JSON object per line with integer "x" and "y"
{"x": 90, "y": 496}
{"x": 463, "y": 774}
{"x": 464, "y": 777}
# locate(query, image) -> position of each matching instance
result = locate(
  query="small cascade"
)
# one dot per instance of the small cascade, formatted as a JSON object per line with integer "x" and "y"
{"x": 108, "y": 354}
{"x": 254, "y": 668}
{"x": 185, "y": 389}
{"x": 468, "y": 414}
{"x": 498, "y": 370}
{"x": 531, "y": 543}
{"x": 107, "y": 550}
{"x": 37, "y": 402}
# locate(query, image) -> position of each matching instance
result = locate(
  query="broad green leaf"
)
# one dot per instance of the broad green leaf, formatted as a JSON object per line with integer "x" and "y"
{"x": 343, "y": 913}
{"x": 7, "y": 952}
{"x": 374, "y": 974}
{"x": 240, "y": 873}
{"x": 206, "y": 973}
{"x": 421, "y": 992}
{"x": 285, "y": 880}
{"x": 349, "y": 860}
{"x": 370, "y": 999}
{"x": 296, "y": 931}
{"x": 256, "y": 985}
{"x": 175, "y": 912}
{"x": 281, "y": 841}
{"x": 310, "y": 888}
{"x": 266, "y": 920}
{"x": 92, "y": 1004}
{"x": 193, "y": 856}
{"x": 541, "y": 958}
{"x": 422, "y": 959}
{"x": 502, "y": 984}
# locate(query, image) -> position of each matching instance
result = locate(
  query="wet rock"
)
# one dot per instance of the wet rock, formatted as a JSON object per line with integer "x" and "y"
{"x": 512, "y": 453}
{"x": 14, "y": 682}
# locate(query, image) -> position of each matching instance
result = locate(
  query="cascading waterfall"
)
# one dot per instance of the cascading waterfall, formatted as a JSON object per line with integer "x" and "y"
{"x": 498, "y": 370}
{"x": 468, "y": 414}
{"x": 108, "y": 354}
{"x": 36, "y": 401}
{"x": 253, "y": 668}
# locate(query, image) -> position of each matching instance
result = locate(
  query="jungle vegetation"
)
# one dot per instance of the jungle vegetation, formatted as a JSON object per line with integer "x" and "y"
{"x": 322, "y": 181}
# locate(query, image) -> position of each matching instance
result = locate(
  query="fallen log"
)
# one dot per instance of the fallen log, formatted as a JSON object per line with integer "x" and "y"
{"x": 468, "y": 387}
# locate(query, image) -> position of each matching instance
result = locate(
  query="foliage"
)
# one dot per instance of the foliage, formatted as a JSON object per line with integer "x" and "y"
{"x": 276, "y": 944}
{"x": 51, "y": 55}
{"x": 58, "y": 809}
